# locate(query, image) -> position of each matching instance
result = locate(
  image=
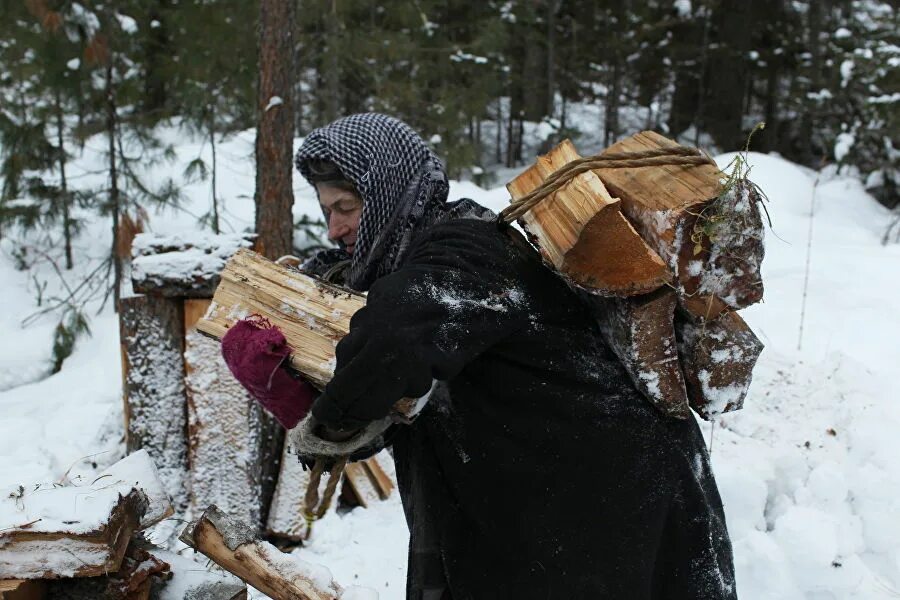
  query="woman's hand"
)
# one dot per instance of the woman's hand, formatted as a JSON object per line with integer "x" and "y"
{"x": 257, "y": 353}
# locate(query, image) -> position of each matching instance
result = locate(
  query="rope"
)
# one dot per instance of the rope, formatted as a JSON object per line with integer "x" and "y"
{"x": 312, "y": 512}
{"x": 678, "y": 155}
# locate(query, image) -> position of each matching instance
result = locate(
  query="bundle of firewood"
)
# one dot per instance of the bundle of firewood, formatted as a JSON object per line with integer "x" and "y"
{"x": 667, "y": 248}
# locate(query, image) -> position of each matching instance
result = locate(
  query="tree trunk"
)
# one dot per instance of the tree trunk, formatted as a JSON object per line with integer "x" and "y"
{"x": 274, "y": 137}
{"x": 156, "y": 50}
{"x": 332, "y": 73}
{"x": 212, "y": 143}
{"x": 63, "y": 185}
{"x": 723, "y": 101}
{"x": 114, "y": 200}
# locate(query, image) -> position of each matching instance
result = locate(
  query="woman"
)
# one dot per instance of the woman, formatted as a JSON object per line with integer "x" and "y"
{"x": 535, "y": 469}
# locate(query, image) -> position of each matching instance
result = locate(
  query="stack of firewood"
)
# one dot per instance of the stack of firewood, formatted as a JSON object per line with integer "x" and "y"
{"x": 667, "y": 253}
{"x": 82, "y": 540}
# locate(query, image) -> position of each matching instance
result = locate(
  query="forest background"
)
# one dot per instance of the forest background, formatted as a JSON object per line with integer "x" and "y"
{"x": 824, "y": 76}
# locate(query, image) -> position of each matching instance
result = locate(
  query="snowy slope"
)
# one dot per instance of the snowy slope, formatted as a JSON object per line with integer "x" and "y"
{"x": 807, "y": 470}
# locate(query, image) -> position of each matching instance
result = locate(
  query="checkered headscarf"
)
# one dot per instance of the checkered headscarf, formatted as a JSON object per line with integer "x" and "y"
{"x": 402, "y": 184}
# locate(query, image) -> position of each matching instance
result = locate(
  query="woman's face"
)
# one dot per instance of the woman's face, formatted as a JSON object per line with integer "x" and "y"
{"x": 342, "y": 209}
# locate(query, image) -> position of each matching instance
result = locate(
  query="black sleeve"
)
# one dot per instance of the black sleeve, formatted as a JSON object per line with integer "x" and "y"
{"x": 453, "y": 299}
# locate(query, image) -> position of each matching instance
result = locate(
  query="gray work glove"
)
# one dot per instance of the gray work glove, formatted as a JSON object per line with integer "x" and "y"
{"x": 310, "y": 439}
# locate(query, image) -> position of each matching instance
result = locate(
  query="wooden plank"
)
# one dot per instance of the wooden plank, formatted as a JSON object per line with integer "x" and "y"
{"x": 356, "y": 476}
{"x": 582, "y": 233}
{"x": 312, "y": 315}
{"x": 383, "y": 482}
{"x": 233, "y": 445}
{"x": 151, "y": 329}
{"x": 233, "y": 546}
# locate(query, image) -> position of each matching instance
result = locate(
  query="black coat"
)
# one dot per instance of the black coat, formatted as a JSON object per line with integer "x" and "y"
{"x": 536, "y": 470}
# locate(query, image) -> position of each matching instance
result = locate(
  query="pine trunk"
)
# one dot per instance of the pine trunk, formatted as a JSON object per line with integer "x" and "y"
{"x": 274, "y": 138}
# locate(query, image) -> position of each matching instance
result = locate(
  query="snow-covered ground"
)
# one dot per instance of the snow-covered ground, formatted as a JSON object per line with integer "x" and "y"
{"x": 808, "y": 470}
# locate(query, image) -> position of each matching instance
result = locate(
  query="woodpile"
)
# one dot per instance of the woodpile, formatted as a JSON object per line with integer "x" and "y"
{"x": 683, "y": 344}
{"x": 80, "y": 539}
{"x": 212, "y": 443}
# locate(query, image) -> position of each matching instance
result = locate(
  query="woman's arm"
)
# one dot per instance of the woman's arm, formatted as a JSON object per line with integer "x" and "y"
{"x": 452, "y": 300}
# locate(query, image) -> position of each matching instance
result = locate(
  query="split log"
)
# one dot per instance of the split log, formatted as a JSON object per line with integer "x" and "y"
{"x": 712, "y": 244}
{"x": 581, "y": 232}
{"x": 286, "y": 511}
{"x": 72, "y": 531}
{"x": 137, "y": 470}
{"x": 312, "y": 315}
{"x": 177, "y": 266}
{"x": 133, "y": 581}
{"x": 641, "y": 333}
{"x": 233, "y": 444}
{"x": 23, "y": 589}
{"x": 717, "y": 357}
{"x": 233, "y": 546}
{"x": 153, "y": 384}
{"x": 367, "y": 482}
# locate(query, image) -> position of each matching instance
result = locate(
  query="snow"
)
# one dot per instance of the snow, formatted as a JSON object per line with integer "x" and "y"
{"x": 273, "y": 102}
{"x": 183, "y": 257}
{"x": 683, "y": 8}
{"x": 843, "y": 145}
{"x": 807, "y": 470}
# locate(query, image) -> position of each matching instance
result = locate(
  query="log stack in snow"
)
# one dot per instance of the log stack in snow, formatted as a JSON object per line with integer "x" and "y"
{"x": 78, "y": 540}
{"x": 683, "y": 345}
{"x": 213, "y": 443}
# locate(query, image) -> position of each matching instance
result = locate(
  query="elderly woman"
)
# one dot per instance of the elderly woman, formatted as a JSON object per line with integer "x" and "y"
{"x": 534, "y": 469}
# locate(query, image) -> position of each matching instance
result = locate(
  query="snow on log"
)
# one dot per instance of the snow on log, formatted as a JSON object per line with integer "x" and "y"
{"x": 154, "y": 392}
{"x": 233, "y": 444}
{"x": 194, "y": 580}
{"x": 581, "y": 232}
{"x": 137, "y": 470}
{"x": 312, "y": 315}
{"x": 232, "y": 545}
{"x": 641, "y": 333}
{"x": 48, "y": 532}
{"x": 134, "y": 580}
{"x": 182, "y": 266}
{"x": 717, "y": 357}
{"x": 712, "y": 244}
